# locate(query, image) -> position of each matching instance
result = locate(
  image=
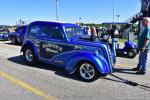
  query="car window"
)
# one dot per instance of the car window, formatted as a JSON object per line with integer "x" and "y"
{"x": 35, "y": 31}
{"x": 18, "y": 30}
{"x": 51, "y": 31}
{"x": 74, "y": 31}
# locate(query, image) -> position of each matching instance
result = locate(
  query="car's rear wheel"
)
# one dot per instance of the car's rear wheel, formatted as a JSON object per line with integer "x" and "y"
{"x": 87, "y": 71}
{"x": 131, "y": 53}
{"x": 13, "y": 40}
{"x": 29, "y": 56}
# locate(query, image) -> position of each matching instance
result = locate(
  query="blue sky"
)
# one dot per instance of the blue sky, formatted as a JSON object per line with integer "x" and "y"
{"x": 91, "y": 11}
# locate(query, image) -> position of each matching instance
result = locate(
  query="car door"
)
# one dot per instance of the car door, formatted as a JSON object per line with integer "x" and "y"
{"x": 52, "y": 42}
{"x": 34, "y": 35}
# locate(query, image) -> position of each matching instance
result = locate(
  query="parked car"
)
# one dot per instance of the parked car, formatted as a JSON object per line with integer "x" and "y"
{"x": 18, "y": 36}
{"x": 62, "y": 45}
{"x": 4, "y": 37}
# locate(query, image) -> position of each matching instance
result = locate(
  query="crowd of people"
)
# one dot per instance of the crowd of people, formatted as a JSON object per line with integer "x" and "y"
{"x": 143, "y": 42}
{"x": 95, "y": 32}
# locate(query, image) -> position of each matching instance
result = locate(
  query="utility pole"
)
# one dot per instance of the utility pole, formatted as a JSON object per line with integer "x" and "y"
{"x": 56, "y": 8}
{"x": 113, "y": 11}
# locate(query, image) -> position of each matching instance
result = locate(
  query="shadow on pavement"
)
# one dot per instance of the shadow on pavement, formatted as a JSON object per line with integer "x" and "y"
{"x": 18, "y": 44}
{"x": 124, "y": 70}
{"x": 3, "y": 40}
{"x": 123, "y": 56}
{"x": 58, "y": 70}
{"x": 17, "y": 60}
{"x": 128, "y": 82}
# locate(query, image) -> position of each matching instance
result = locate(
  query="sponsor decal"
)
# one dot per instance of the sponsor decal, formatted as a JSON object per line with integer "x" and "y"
{"x": 52, "y": 48}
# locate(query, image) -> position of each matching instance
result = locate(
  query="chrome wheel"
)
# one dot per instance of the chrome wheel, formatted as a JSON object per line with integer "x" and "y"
{"x": 87, "y": 71}
{"x": 29, "y": 55}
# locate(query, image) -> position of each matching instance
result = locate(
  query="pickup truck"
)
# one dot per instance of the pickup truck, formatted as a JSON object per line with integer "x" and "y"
{"x": 17, "y": 37}
{"x": 64, "y": 45}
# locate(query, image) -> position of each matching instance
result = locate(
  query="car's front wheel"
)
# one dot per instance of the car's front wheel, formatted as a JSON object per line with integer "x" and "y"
{"x": 29, "y": 56}
{"x": 87, "y": 71}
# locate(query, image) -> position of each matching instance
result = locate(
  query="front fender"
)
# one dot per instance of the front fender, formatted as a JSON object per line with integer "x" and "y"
{"x": 99, "y": 62}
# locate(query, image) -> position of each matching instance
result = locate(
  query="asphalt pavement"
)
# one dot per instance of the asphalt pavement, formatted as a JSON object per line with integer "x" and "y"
{"x": 46, "y": 82}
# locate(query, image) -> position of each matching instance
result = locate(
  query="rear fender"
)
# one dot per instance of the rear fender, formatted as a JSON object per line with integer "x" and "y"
{"x": 30, "y": 44}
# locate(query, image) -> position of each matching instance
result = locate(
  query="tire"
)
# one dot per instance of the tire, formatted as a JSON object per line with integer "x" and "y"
{"x": 29, "y": 56}
{"x": 87, "y": 71}
{"x": 132, "y": 53}
{"x": 13, "y": 40}
{"x": 119, "y": 53}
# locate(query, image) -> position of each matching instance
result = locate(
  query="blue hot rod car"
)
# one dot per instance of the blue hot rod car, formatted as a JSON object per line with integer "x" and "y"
{"x": 63, "y": 45}
{"x": 18, "y": 36}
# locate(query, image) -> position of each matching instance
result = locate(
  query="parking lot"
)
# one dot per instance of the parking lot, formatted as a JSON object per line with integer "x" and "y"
{"x": 21, "y": 82}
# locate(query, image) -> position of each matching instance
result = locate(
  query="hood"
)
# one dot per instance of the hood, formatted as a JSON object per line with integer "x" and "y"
{"x": 87, "y": 42}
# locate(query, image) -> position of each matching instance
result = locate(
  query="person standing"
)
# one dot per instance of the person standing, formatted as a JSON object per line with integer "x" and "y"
{"x": 93, "y": 33}
{"x": 143, "y": 47}
{"x": 114, "y": 34}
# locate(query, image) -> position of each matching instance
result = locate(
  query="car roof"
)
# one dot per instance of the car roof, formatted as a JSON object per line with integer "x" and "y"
{"x": 54, "y": 23}
{"x": 24, "y": 26}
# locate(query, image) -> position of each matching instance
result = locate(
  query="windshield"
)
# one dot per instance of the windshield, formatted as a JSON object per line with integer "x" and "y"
{"x": 74, "y": 31}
